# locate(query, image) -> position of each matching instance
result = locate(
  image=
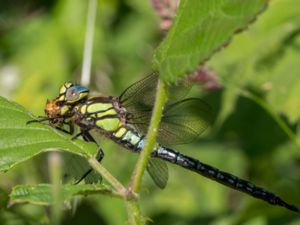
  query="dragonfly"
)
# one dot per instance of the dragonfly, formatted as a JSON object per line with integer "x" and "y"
{"x": 125, "y": 119}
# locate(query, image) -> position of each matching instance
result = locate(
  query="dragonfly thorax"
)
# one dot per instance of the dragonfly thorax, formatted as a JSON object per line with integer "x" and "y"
{"x": 99, "y": 113}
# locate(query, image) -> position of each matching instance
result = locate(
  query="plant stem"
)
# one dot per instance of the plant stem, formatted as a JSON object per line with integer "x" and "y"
{"x": 274, "y": 115}
{"x": 55, "y": 167}
{"x": 107, "y": 176}
{"x": 161, "y": 98}
{"x": 88, "y": 45}
{"x": 134, "y": 213}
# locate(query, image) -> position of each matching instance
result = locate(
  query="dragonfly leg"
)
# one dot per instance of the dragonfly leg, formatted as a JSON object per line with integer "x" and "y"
{"x": 76, "y": 136}
{"x": 99, "y": 158}
{"x": 69, "y": 124}
{"x": 40, "y": 119}
{"x": 100, "y": 154}
{"x": 71, "y": 127}
{"x": 85, "y": 134}
{"x": 83, "y": 176}
{"x": 70, "y": 131}
{"x": 88, "y": 137}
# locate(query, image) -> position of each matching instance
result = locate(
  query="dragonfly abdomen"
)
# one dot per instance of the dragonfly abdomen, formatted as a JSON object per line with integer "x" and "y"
{"x": 220, "y": 176}
{"x": 128, "y": 139}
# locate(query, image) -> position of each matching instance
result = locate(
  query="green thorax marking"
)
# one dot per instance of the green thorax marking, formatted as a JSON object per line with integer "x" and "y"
{"x": 103, "y": 111}
{"x": 110, "y": 117}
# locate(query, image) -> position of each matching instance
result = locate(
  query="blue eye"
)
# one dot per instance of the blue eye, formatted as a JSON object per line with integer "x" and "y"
{"x": 78, "y": 88}
{"x": 76, "y": 93}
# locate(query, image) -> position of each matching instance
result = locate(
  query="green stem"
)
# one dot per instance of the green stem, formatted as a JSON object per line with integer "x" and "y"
{"x": 161, "y": 98}
{"x": 107, "y": 176}
{"x": 274, "y": 115}
{"x": 55, "y": 167}
{"x": 134, "y": 213}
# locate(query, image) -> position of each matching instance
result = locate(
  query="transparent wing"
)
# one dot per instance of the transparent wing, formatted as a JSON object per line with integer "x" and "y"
{"x": 158, "y": 171}
{"x": 138, "y": 99}
{"x": 140, "y": 96}
{"x": 142, "y": 92}
{"x": 182, "y": 122}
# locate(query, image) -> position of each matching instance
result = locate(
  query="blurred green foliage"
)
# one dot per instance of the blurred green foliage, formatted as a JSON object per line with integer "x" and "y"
{"x": 199, "y": 30}
{"x": 41, "y": 45}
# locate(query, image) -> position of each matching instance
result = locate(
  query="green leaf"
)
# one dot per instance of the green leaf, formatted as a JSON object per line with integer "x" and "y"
{"x": 267, "y": 62}
{"x": 19, "y": 141}
{"x": 41, "y": 194}
{"x": 201, "y": 28}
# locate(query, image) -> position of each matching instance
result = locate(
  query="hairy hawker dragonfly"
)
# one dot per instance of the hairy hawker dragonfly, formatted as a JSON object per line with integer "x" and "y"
{"x": 125, "y": 120}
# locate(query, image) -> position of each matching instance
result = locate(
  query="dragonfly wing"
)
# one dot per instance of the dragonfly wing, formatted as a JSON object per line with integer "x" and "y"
{"x": 138, "y": 99}
{"x": 140, "y": 95}
{"x": 143, "y": 91}
{"x": 158, "y": 171}
{"x": 184, "y": 121}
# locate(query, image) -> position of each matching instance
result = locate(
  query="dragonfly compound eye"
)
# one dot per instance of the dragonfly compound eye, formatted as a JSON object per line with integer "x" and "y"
{"x": 76, "y": 93}
{"x": 64, "y": 88}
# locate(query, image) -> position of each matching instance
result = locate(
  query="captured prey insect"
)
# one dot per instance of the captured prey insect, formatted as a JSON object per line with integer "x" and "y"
{"x": 125, "y": 120}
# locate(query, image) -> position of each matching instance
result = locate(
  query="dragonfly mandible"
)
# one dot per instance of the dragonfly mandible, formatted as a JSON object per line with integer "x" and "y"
{"x": 125, "y": 120}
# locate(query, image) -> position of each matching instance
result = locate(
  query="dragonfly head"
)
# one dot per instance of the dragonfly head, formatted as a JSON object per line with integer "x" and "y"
{"x": 61, "y": 107}
{"x": 53, "y": 112}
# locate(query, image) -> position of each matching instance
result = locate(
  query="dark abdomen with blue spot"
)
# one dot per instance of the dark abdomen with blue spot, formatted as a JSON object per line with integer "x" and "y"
{"x": 135, "y": 142}
{"x": 220, "y": 176}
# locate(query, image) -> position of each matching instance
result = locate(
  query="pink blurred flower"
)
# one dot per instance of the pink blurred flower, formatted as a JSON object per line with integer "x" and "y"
{"x": 206, "y": 77}
{"x": 166, "y": 10}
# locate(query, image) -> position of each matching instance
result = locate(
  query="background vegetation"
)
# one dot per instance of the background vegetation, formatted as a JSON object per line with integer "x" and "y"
{"x": 253, "y": 88}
